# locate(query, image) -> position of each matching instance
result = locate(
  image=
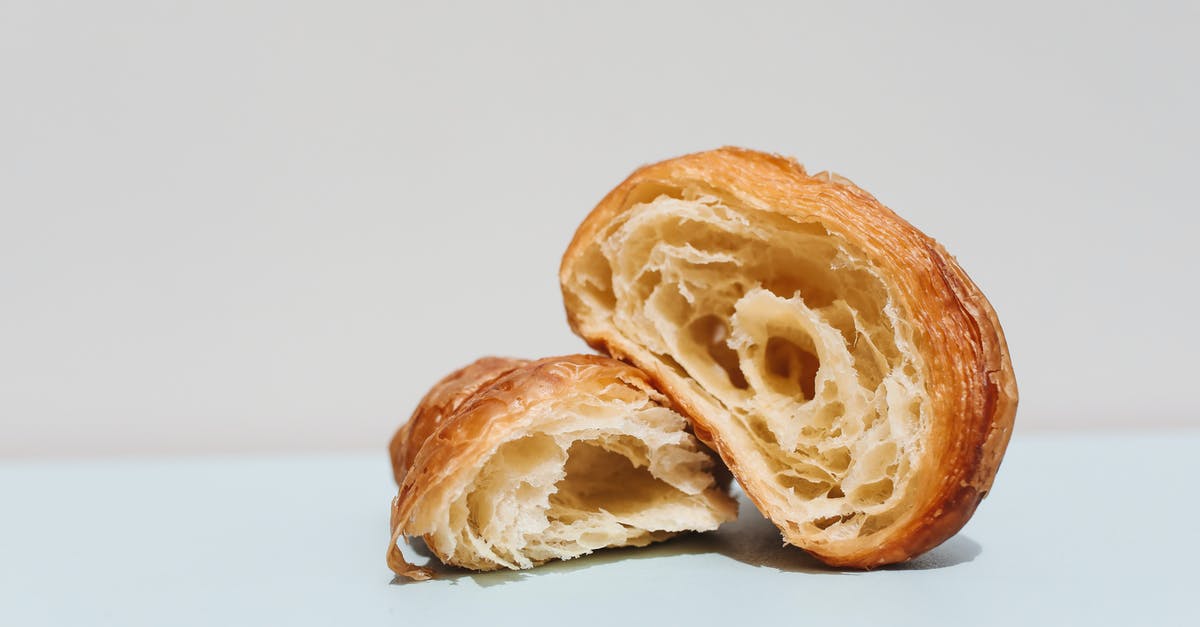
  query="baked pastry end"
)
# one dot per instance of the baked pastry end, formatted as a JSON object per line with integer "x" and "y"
{"x": 511, "y": 463}
{"x": 849, "y": 372}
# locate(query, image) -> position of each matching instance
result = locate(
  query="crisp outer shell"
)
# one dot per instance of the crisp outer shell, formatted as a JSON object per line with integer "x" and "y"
{"x": 969, "y": 374}
{"x": 442, "y": 400}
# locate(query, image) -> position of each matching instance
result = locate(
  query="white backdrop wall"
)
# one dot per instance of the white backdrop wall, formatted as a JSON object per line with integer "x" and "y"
{"x": 257, "y": 225}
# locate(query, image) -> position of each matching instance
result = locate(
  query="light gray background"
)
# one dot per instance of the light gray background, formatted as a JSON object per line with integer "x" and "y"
{"x": 232, "y": 226}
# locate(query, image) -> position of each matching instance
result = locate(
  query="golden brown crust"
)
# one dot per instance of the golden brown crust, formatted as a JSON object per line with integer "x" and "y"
{"x": 441, "y": 402}
{"x": 970, "y": 379}
{"x": 472, "y": 410}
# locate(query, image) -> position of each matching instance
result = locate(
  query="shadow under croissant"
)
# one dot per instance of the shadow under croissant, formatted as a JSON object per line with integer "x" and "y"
{"x": 751, "y": 539}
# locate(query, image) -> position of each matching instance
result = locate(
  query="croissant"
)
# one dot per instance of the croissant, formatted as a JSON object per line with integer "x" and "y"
{"x": 853, "y": 378}
{"x": 510, "y": 463}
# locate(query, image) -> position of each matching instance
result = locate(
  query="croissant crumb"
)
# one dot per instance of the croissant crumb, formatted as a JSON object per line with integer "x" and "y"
{"x": 834, "y": 355}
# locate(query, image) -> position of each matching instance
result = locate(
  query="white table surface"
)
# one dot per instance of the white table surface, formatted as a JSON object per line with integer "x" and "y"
{"x": 1078, "y": 529}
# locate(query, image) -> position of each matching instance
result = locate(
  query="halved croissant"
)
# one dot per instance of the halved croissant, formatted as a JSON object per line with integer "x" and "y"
{"x": 509, "y": 463}
{"x": 851, "y": 375}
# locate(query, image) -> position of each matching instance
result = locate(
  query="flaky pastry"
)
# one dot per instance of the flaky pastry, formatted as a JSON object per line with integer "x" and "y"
{"x": 510, "y": 463}
{"x": 854, "y": 379}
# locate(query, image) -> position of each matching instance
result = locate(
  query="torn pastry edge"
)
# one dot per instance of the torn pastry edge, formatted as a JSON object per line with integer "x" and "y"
{"x": 395, "y": 558}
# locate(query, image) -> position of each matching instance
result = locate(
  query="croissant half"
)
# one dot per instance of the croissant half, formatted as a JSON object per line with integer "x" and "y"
{"x": 510, "y": 463}
{"x": 853, "y": 378}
